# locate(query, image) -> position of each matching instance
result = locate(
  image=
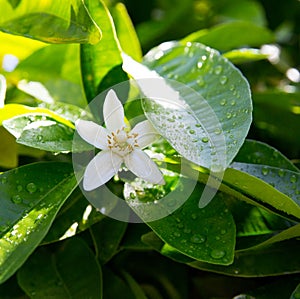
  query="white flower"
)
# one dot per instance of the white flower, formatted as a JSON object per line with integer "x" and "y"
{"x": 117, "y": 146}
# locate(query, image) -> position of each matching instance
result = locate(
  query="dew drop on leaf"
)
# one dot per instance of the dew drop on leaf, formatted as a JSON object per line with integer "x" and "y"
{"x": 223, "y": 80}
{"x": 223, "y": 102}
{"x": 264, "y": 171}
{"x": 205, "y": 139}
{"x": 217, "y": 253}
{"x": 218, "y": 70}
{"x": 293, "y": 179}
{"x": 198, "y": 239}
{"x": 19, "y": 188}
{"x": 17, "y": 199}
{"x": 31, "y": 188}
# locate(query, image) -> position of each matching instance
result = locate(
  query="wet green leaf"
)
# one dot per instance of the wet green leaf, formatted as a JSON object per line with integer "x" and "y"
{"x": 66, "y": 22}
{"x": 244, "y": 55}
{"x": 70, "y": 272}
{"x": 206, "y": 234}
{"x": 2, "y": 90}
{"x": 213, "y": 113}
{"x": 44, "y": 133}
{"x": 8, "y": 150}
{"x": 31, "y": 196}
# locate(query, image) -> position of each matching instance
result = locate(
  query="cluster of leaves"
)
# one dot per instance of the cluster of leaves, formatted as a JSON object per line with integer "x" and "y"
{"x": 71, "y": 51}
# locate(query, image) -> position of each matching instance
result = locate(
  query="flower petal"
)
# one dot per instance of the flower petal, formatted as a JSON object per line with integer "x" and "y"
{"x": 142, "y": 166}
{"x": 92, "y": 133}
{"x": 146, "y": 133}
{"x": 101, "y": 169}
{"x": 113, "y": 112}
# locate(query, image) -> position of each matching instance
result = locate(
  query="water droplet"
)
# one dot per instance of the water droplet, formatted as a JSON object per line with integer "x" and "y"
{"x": 264, "y": 171}
{"x": 223, "y": 102}
{"x": 177, "y": 234}
{"x": 192, "y": 131}
{"x": 198, "y": 239}
{"x": 232, "y": 87}
{"x": 281, "y": 173}
{"x": 19, "y": 188}
{"x": 31, "y": 188}
{"x": 198, "y": 125}
{"x": 228, "y": 115}
{"x": 3, "y": 180}
{"x": 200, "y": 64}
{"x": 205, "y": 139}
{"x": 223, "y": 232}
{"x": 218, "y": 70}
{"x": 218, "y": 131}
{"x": 217, "y": 253}
{"x": 233, "y": 103}
{"x": 293, "y": 179}
{"x": 17, "y": 199}
{"x": 39, "y": 137}
{"x": 201, "y": 82}
{"x": 223, "y": 80}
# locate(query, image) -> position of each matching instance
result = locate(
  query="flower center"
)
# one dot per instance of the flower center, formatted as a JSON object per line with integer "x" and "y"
{"x": 122, "y": 142}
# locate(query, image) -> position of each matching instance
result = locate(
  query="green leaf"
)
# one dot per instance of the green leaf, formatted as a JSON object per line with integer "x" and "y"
{"x": 98, "y": 60}
{"x": 285, "y": 181}
{"x": 8, "y": 150}
{"x": 135, "y": 287}
{"x": 255, "y": 191}
{"x": 44, "y": 133}
{"x": 213, "y": 107}
{"x": 245, "y": 55}
{"x": 206, "y": 234}
{"x": 254, "y": 263}
{"x": 31, "y": 196}
{"x": 52, "y": 22}
{"x": 70, "y": 272}
{"x": 107, "y": 235}
{"x": 296, "y": 293}
{"x": 256, "y": 152}
{"x": 232, "y": 35}
{"x": 126, "y": 31}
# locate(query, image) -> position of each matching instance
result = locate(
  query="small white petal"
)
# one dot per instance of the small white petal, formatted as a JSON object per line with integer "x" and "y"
{"x": 92, "y": 133}
{"x": 146, "y": 133}
{"x": 113, "y": 112}
{"x": 142, "y": 166}
{"x": 101, "y": 169}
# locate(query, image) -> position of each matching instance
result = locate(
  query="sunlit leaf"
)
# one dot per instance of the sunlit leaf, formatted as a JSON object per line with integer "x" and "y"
{"x": 53, "y": 22}
{"x": 232, "y": 35}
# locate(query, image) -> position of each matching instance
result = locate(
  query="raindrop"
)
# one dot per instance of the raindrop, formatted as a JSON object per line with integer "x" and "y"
{"x": 198, "y": 239}
{"x": 39, "y": 137}
{"x": 198, "y": 125}
{"x": 232, "y": 87}
{"x": 3, "y": 180}
{"x": 218, "y": 70}
{"x": 281, "y": 173}
{"x": 264, "y": 171}
{"x": 217, "y": 253}
{"x": 228, "y": 115}
{"x": 205, "y": 139}
{"x": 223, "y": 232}
{"x": 223, "y": 102}
{"x": 293, "y": 179}
{"x": 16, "y": 199}
{"x": 19, "y": 188}
{"x": 218, "y": 131}
{"x": 192, "y": 131}
{"x": 233, "y": 102}
{"x": 223, "y": 80}
{"x": 200, "y": 64}
{"x": 31, "y": 188}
